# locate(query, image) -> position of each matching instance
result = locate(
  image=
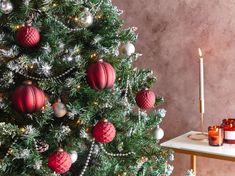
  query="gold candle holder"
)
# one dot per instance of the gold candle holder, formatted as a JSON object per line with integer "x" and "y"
{"x": 201, "y": 135}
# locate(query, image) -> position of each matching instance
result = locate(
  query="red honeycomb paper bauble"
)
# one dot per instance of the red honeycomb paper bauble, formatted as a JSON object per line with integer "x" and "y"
{"x": 101, "y": 75}
{"x": 59, "y": 161}
{"x": 28, "y": 98}
{"x": 27, "y": 36}
{"x": 104, "y": 131}
{"x": 145, "y": 99}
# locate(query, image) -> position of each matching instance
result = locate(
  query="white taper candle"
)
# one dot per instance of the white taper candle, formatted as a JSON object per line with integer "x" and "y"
{"x": 201, "y": 87}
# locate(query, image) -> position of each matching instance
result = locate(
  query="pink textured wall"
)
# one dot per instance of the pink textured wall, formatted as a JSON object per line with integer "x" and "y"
{"x": 170, "y": 33}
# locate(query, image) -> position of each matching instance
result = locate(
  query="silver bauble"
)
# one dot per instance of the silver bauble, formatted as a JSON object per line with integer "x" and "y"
{"x": 73, "y": 156}
{"x": 158, "y": 133}
{"x": 127, "y": 49}
{"x": 86, "y": 19}
{"x": 6, "y": 7}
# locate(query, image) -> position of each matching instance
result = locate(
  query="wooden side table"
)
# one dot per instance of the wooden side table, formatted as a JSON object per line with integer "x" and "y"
{"x": 182, "y": 144}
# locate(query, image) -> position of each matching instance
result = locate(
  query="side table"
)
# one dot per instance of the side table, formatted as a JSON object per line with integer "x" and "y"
{"x": 182, "y": 144}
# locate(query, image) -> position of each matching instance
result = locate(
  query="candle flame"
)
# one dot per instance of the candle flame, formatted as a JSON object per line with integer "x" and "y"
{"x": 200, "y": 52}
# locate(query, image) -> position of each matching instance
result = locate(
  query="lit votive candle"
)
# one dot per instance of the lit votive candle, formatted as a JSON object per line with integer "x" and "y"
{"x": 215, "y": 135}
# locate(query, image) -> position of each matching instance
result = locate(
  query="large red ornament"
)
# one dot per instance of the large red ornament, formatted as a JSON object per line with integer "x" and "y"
{"x": 59, "y": 161}
{"x": 27, "y": 36}
{"x": 28, "y": 98}
{"x": 101, "y": 75}
{"x": 104, "y": 131}
{"x": 145, "y": 99}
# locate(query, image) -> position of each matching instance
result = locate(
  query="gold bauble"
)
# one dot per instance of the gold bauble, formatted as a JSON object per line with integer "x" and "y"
{"x": 94, "y": 56}
{"x": 22, "y": 130}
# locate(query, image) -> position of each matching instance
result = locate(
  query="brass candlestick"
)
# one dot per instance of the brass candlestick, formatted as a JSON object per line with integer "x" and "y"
{"x": 201, "y": 135}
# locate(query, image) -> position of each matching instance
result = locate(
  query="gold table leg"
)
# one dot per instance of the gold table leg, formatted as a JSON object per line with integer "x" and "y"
{"x": 194, "y": 163}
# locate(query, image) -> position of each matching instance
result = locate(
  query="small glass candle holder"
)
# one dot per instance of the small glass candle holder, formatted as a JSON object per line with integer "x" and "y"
{"x": 229, "y": 131}
{"x": 215, "y": 135}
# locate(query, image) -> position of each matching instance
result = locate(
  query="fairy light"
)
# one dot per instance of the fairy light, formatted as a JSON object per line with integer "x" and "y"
{"x": 78, "y": 87}
{"x": 95, "y": 103}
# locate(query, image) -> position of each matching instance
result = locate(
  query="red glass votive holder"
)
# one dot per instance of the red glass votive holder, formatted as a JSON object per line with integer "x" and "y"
{"x": 215, "y": 135}
{"x": 229, "y": 131}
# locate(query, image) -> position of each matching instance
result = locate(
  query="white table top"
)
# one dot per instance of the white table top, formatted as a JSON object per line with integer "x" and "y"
{"x": 184, "y": 143}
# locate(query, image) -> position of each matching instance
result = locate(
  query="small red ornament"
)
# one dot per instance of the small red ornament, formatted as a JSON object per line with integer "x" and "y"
{"x": 28, "y": 98}
{"x": 59, "y": 161}
{"x": 104, "y": 131}
{"x": 101, "y": 75}
{"x": 27, "y": 36}
{"x": 145, "y": 99}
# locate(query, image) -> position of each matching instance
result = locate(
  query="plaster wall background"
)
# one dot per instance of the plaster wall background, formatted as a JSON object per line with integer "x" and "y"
{"x": 170, "y": 33}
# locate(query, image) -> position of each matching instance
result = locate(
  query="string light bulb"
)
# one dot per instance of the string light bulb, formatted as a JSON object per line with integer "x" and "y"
{"x": 95, "y": 103}
{"x": 78, "y": 87}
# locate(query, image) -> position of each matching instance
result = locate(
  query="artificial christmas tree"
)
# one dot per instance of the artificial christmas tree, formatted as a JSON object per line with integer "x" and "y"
{"x": 53, "y": 124}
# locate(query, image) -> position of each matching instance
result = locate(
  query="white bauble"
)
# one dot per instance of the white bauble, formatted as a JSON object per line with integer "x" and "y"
{"x": 128, "y": 49}
{"x": 6, "y": 6}
{"x": 73, "y": 156}
{"x": 158, "y": 133}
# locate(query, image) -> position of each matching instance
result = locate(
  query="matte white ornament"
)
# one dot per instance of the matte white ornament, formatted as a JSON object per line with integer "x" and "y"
{"x": 74, "y": 156}
{"x": 158, "y": 133}
{"x": 128, "y": 49}
{"x": 6, "y": 6}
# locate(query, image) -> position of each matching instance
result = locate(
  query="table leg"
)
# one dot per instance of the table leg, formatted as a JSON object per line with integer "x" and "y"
{"x": 194, "y": 163}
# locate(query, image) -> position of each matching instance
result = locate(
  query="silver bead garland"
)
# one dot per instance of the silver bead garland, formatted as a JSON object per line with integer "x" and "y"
{"x": 44, "y": 79}
{"x": 126, "y": 89}
{"x": 88, "y": 158}
{"x": 115, "y": 154}
{"x": 139, "y": 116}
{"x": 7, "y": 154}
{"x": 63, "y": 25}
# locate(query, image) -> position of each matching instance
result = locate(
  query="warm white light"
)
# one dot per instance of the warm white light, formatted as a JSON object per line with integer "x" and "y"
{"x": 200, "y": 52}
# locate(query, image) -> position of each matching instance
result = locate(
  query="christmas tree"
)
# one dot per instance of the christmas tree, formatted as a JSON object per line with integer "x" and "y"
{"x": 71, "y": 101}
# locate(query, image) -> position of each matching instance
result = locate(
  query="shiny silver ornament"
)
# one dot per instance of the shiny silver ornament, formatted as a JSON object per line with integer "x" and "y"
{"x": 85, "y": 19}
{"x": 127, "y": 49}
{"x": 73, "y": 156}
{"x": 158, "y": 133}
{"x": 6, "y": 7}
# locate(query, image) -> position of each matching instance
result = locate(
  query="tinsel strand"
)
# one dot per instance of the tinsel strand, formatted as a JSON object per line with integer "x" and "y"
{"x": 88, "y": 158}
{"x": 115, "y": 154}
